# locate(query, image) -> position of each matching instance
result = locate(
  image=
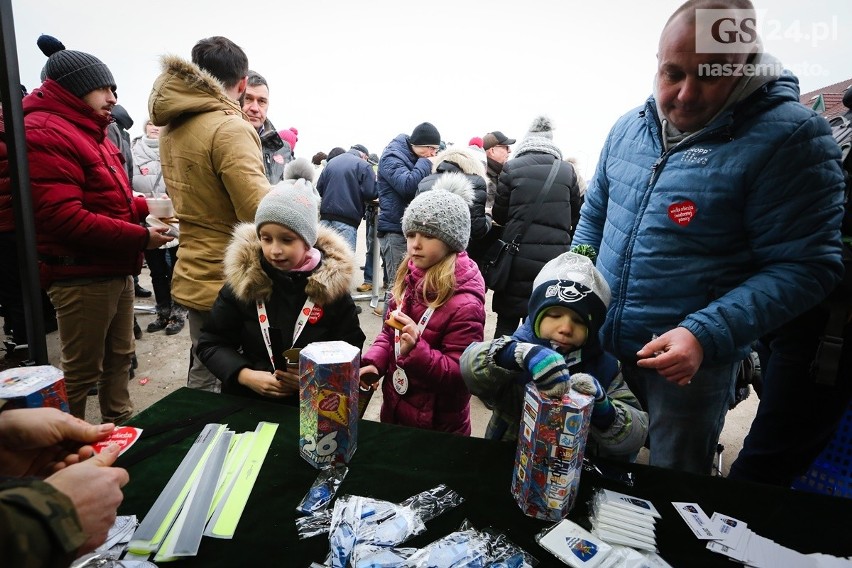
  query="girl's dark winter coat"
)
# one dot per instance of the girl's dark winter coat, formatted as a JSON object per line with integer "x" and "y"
{"x": 232, "y": 340}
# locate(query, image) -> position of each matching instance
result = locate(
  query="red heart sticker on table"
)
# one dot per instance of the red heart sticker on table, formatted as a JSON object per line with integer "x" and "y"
{"x": 316, "y": 314}
{"x": 122, "y": 436}
{"x": 682, "y": 212}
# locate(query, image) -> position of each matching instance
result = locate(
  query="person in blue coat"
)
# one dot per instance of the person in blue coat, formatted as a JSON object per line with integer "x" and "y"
{"x": 405, "y": 162}
{"x": 715, "y": 211}
{"x": 345, "y": 185}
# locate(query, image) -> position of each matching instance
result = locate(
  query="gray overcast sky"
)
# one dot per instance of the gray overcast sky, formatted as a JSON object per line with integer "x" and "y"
{"x": 362, "y": 72}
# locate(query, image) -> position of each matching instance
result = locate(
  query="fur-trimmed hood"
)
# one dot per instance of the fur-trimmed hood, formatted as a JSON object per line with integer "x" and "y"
{"x": 466, "y": 161}
{"x": 250, "y": 282}
{"x": 176, "y": 92}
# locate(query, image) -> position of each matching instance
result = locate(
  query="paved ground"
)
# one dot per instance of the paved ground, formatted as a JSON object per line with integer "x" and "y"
{"x": 163, "y": 363}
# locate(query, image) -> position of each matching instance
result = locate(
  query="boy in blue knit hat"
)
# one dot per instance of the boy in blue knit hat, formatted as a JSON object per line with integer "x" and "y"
{"x": 557, "y": 347}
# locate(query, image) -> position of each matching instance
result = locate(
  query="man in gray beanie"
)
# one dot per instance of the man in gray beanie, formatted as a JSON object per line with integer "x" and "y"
{"x": 88, "y": 231}
{"x": 405, "y": 162}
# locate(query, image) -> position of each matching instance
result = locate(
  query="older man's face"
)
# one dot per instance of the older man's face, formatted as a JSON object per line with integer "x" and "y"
{"x": 256, "y": 104}
{"x": 687, "y": 99}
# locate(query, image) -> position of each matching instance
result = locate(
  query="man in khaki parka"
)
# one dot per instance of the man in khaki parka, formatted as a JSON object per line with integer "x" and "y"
{"x": 211, "y": 160}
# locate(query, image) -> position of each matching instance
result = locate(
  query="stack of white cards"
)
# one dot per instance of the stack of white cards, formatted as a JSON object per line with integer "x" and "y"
{"x": 624, "y": 519}
{"x": 733, "y": 538}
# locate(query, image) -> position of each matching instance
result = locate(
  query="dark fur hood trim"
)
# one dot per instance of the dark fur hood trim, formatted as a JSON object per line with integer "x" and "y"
{"x": 244, "y": 273}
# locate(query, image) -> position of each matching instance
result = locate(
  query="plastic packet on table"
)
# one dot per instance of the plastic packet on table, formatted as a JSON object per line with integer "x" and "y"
{"x": 356, "y": 520}
{"x": 373, "y": 556}
{"x": 608, "y": 471}
{"x": 469, "y": 547}
{"x": 461, "y": 548}
{"x": 432, "y": 502}
{"x": 313, "y": 525}
{"x": 427, "y": 505}
{"x": 323, "y": 490}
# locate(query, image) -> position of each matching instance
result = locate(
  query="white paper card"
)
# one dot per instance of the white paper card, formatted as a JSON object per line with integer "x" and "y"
{"x": 699, "y": 523}
{"x": 630, "y": 503}
{"x": 574, "y": 545}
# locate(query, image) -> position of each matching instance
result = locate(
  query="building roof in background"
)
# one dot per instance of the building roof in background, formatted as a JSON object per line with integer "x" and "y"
{"x": 832, "y": 96}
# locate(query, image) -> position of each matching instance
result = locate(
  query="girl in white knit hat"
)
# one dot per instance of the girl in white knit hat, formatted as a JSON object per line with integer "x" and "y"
{"x": 437, "y": 309}
{"x": 287, "y": 285}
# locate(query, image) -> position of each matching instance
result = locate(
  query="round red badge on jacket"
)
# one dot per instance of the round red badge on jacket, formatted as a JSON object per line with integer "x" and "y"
{"x": 316, "y": 314}
{"x": 682, "y": 212}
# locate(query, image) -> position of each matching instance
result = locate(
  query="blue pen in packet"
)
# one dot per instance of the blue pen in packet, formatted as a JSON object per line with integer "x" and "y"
{"x": 323, "y": 490}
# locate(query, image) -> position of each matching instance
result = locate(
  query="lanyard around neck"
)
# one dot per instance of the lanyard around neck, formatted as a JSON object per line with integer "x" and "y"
{"x": 421, "y": 326}
{"x": 263, "y": 320}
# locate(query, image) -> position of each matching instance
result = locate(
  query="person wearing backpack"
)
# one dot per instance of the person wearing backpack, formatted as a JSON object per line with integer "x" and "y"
{"x": 806, "y": 369}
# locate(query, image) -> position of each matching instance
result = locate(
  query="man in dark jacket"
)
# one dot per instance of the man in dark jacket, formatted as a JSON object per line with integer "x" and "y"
{"x": 90, "y": 241}
{"x": 403, "y": 164}
{"x": 277, "y": 153}
{"x": 345, "y": 185}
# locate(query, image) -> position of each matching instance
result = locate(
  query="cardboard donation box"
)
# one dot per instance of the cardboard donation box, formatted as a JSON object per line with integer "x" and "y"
{"x": 328, "y": 402}
{"x": 549, "y": 458}
{"x": 34, "y": 387}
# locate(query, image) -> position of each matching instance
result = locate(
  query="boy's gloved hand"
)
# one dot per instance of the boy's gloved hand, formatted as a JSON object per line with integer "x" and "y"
{"x": 546, "y": 366}
{"x": 603, "y": 414}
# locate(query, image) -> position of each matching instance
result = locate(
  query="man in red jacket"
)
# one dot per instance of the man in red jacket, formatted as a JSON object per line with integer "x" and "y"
{"x": 89, "y": 238}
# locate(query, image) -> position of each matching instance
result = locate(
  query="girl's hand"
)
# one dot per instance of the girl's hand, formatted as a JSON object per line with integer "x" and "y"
{"x": 265, "y": 383}
{"x": 369, "y": 377}
{"x": 409, "y": 335}
{"x": 289, "y": 381}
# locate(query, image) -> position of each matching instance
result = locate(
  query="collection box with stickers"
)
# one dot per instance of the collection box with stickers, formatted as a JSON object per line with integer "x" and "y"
{"x": 549, "y": 458}
{"x": 34, "y": 387}
{"x": 328, "y": 402}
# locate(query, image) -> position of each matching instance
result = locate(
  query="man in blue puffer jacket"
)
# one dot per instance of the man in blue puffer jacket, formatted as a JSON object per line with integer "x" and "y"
{"x": 404, "y": 163}
{"x": 715, "y": 210}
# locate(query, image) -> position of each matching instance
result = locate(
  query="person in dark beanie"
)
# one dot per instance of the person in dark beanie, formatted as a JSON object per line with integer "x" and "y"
{"x": 404, "y": 162}
{"x": 88, "y": 231}
{"x": 196, "y": 106}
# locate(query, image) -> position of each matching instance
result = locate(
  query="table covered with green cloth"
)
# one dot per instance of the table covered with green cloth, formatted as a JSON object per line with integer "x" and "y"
{"x": 394, "y": 463}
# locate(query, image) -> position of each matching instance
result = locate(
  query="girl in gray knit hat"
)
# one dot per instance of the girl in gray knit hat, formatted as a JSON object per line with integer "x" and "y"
{"x": 437, "y": 309}
{"x": 287, "y": 284}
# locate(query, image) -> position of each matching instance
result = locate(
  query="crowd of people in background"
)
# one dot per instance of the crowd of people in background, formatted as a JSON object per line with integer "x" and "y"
{"x": 713, "y": 220}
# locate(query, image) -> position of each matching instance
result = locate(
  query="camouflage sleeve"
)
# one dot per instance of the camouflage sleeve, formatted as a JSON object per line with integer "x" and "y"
{"x": 38, "y": 525}
{"x": 502, "y": 388}
{"x": 481, "y": 373}
{"x": 628, "y": 432}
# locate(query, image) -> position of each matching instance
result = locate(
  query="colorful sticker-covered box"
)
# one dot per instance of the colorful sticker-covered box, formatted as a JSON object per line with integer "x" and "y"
{"x": 328, "y": 402}
{"x": 549, "y": 458}
{"x": 34, "y": 387}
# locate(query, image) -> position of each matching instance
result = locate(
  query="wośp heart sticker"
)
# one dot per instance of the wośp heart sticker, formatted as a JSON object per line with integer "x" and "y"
{"x": 682, "y": 212}
{"x": 122, "y": 436}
